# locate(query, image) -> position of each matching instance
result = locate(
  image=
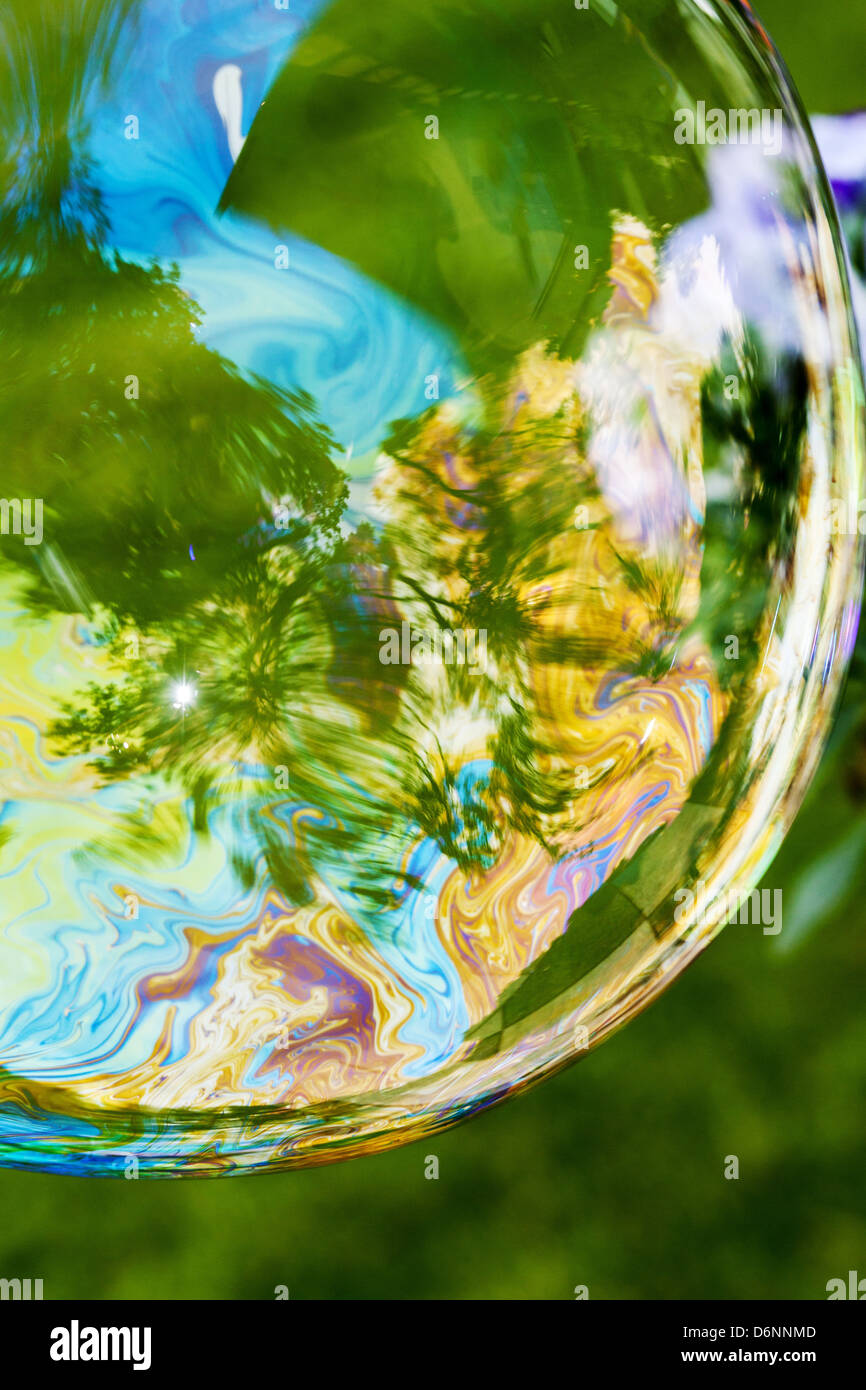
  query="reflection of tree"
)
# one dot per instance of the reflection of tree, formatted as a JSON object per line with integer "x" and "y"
{"x": 52, "y": 56}
{"x": 265, "y": 728}
{"x": 746, "y": 547}
{"x": 202, "y": 509}
{"x": 482, "y": 540}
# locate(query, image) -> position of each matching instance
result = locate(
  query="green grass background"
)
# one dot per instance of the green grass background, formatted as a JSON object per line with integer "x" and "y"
{"x": 611, "y": 1174}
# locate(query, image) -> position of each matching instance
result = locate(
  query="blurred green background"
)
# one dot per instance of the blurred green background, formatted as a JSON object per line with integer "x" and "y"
{"x": 610, "y": 1175}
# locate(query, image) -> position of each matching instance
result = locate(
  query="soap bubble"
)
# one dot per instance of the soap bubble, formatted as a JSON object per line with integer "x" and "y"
{"x": 431, "y": 552}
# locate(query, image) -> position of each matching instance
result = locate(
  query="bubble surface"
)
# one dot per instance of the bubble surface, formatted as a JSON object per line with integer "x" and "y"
{"x": 430, "y": 552}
